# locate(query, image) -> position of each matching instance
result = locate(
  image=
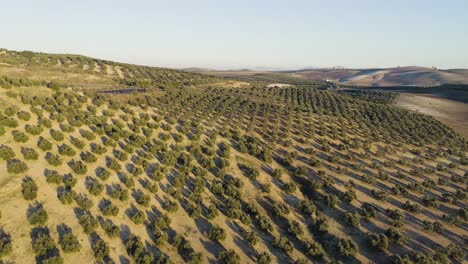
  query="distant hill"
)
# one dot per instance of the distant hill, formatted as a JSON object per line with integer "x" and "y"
{"x": 401, "y": 76}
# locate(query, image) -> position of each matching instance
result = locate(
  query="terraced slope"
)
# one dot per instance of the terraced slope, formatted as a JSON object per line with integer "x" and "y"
{"x": 226, "y": 175}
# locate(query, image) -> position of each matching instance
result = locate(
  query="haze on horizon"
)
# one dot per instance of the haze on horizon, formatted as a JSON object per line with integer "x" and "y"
{"x": 245, "y": 34}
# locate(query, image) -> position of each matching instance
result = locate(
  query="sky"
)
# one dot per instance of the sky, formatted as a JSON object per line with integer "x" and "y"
{"x": 234, "y": 34}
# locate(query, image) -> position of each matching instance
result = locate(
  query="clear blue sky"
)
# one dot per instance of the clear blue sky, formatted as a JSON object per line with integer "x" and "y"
{"x": 241, "y": 33}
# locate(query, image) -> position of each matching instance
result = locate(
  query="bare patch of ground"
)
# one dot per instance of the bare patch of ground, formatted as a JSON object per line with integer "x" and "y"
{"x": 279, "y": 85}
{"x": 452, "y": 113}
{"x": 400, "y": 76}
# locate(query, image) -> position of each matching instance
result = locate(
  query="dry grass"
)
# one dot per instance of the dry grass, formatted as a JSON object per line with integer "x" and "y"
{"x": 452, "y": 113}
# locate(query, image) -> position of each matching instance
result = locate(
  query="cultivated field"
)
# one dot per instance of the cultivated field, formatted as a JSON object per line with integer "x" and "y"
{"x": 452, "y": 113}
{"x": 212, "y": 173}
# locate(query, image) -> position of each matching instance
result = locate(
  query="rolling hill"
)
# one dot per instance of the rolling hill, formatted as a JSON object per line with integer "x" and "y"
{"x": 79, "y": 71}
{"x": 402, "y": 76}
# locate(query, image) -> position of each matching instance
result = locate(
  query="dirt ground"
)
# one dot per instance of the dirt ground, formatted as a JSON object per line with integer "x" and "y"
{"x": 452, "y": 113}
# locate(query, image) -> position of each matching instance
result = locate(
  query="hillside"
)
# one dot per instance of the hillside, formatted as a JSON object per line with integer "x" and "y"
{"x": 89, "y": 73}
{"x": 228, "y": 175}
{"x": 402, "y": 76}
{"x": 214, "y": 173}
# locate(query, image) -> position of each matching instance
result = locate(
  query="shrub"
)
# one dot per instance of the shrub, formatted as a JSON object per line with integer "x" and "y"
{"x": 37, "y": 215}
{"x": 314, "y": 249}
{"x": 264, "y": 223}
{"x": 65, "y": 195}
{"x": 349, "y": 196}
{"x": 160, "y": 236}
{"x": 264, "y": 258}
{"x": 433, "y": 227}
{"x": 163, "y": 222}
{"x": 196, "y": 258}
{"x": 455, "y": 252}
{"x": 69, "y": 242}
{"x": 88, "y": 157}
{"x": 212, "y": 212}
{"x": 33, "y": 130}
{"x": 379, "y": 241}
{"x": 113, "y": 164}
{"x": 29, "y": 153}
{"x": 5, "y": 243}
{"x": 69, "y": 181}
{"x": 128, "y": 181}
{"x": 331, "y": 200}
{"x": 245, "y": 219}
{"x": 24, "y": 115}
{"x": 83, "y": 202}
{"x": 98, "y": 149}
{"x": 78, "y": 167}
{"x": 44, "y": 122}
{"x": 306, "y": 207}
{"x": 284, "y": 244}
{"x": 368, "y": 211}
{"x": 294, "y": 228}
{"x": 122, "y": 156}
{"x": 9, "y": 122}
{"x": 87, "y": 134}
{"x": 110, "y": 228}
{"x": 53, "y": 159}
{"x": 107, "y": 208}
{"x": 412, "y": 208}
{"x": 347, "y": 247}
{"x": 100, "y": 249}
{"x": 52, "y": 176}
{"x": 252, "y": 238}
{"x": 430, "y": 201}
{"x": 88, "y": 222}
{"x": 93, "y": 186}
{"x": 276, "y": 173}
{"x": 16, "y": 166}
{"x": 151, "y": 186}
{"x": 352, "y": 219}
{"x": 216, "y": 233}
{"x": 144, "y": 200}
{"x": 10, "y": 111}
{"x": 137, "y": 250}
{"x": 280, "y": 209}
{"x": 117, "y": 192}
{"x": 57, "y": 135}
{"x": 249, "y": 171}
{"x": 102, "y": 173}
{"x": 29, "y": 189}
{"x": 6, "y": 152}
{"x": 397, "y": 217}
{"x": 42, "y": 243}
{"x": 228, "y": 257}
{"x": 138, "y": 217}
{"x": 66, "y": 150}
{"x": 44, "y": 144}
{"x": 380, "y": 195}
{"x": 395, "y": 236}
{"x": 79, "y": 144}
{"x": 19, "y": 136}
{"x": 289, "y": 187}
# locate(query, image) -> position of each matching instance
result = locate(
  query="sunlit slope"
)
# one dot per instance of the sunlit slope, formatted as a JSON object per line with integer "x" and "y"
{"x": 86, "y": 72}
{"x": 259, "y": 175}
